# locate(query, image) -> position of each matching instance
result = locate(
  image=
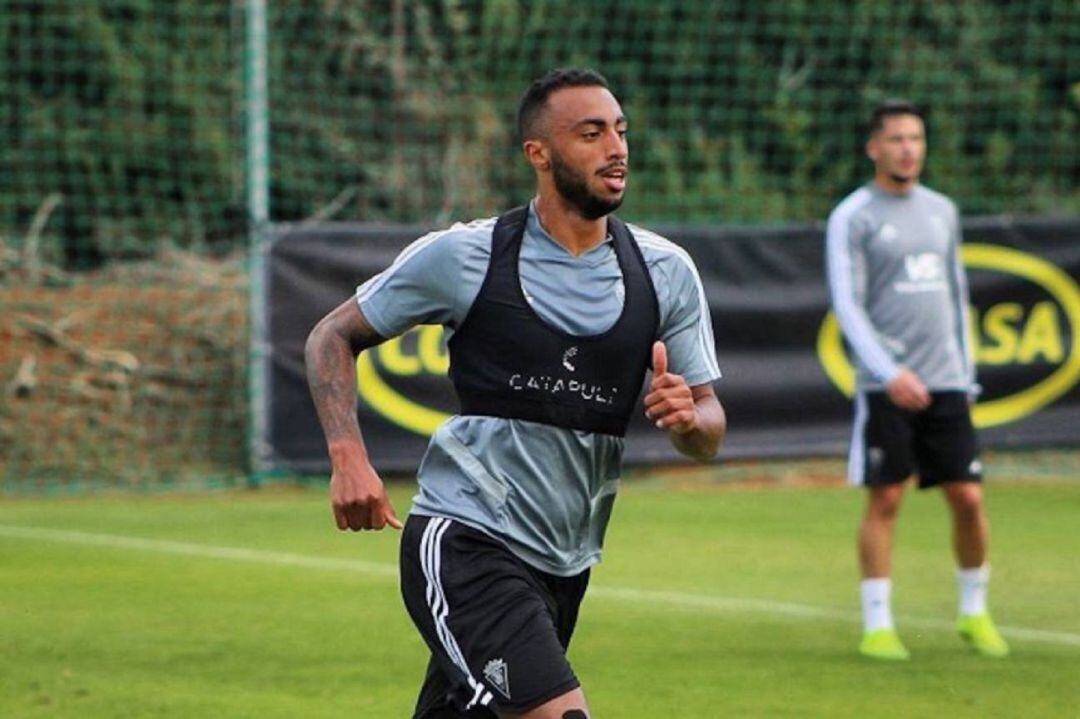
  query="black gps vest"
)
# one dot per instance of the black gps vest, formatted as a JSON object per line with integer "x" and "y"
{"x": 506, "y": 361}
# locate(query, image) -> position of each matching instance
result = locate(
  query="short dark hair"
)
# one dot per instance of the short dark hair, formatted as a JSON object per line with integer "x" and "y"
{"x": 533, "y": 101}
{"x": 891, "y": 108}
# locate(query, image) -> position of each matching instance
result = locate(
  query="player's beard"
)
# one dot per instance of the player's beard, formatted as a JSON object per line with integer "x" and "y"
{"x": 903, "y": 178}
{"x": 574, "y": 188}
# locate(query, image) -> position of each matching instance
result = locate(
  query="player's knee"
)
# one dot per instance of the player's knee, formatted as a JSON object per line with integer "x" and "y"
{"x": 969, "y": 505}
{"x": 887, "y": 512}
{"x": 884, "y": 508}
{"x": 966, "y": 499}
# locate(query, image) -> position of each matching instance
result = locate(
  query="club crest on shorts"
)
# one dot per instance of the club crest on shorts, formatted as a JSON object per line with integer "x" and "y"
{"x": 496, "y": 673}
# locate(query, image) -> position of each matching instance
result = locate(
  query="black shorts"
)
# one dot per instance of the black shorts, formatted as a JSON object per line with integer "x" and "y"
{"x": 889, "y": 443}
{"x": 497, "y": 628}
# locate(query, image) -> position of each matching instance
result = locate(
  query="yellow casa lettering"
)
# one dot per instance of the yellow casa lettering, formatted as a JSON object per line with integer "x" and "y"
{"x": 393, "y": 358}
{"x": 1004, "y": 336}
{"x": 1042, "y": 336}
{"x": 432, "y": 350}
{"x": 430, "y": 355}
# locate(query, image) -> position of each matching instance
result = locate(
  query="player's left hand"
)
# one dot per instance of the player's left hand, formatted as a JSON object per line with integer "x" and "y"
{"x": 669, "y": 403}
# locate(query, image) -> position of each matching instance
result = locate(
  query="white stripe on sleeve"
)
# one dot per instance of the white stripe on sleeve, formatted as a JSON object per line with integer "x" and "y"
{"x": 373, "y": 284}
{"x": 853, "y": 320}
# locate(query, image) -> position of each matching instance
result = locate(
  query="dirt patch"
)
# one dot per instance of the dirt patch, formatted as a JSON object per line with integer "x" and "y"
{"x": 129, "y": 375}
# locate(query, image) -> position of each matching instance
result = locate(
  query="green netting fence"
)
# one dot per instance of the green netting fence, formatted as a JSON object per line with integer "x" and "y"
{"x": 127, "y": 192}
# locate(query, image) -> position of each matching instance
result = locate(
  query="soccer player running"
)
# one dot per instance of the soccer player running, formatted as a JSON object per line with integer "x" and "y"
{"x": 900, "y": 293}
{"x": 557, "y": 310}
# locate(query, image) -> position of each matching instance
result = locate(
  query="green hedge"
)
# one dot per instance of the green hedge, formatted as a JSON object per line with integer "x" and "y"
{"x": 741, "y": 112}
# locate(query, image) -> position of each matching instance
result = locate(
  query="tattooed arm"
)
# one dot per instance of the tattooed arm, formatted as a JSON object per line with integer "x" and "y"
{"x": 357, "y": 494}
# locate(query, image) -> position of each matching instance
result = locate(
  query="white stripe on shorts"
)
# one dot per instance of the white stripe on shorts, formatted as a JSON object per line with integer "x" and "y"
{"x": 431, "y": 562}
{"x": 856, "y": 472}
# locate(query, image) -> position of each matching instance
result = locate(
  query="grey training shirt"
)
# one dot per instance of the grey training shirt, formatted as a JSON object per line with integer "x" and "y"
{"x": 547, "y": 492}
{"x": 898, "y": 286}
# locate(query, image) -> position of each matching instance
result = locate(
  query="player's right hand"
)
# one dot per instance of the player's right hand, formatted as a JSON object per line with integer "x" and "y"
{"x": 359, "y": 499}
{"x": 908, "y": 392}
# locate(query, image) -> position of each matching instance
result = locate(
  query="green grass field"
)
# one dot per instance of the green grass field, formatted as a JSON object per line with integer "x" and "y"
{"x": 715, "y": 599}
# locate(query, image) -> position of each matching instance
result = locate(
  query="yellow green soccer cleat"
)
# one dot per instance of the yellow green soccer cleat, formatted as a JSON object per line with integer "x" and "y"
{"x": 979, "y": 631}
{"x": 883, "y": 644}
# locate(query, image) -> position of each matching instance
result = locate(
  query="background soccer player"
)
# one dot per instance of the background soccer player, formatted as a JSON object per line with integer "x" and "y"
{"x": 557, "y": 309}
{"x": 899, "y": 291}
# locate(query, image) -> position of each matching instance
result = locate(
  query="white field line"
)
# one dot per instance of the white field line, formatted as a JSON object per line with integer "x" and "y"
{"x": 707, "y": 602}
{"x": 238, "y": 554}
{"x": 668, "y": 600}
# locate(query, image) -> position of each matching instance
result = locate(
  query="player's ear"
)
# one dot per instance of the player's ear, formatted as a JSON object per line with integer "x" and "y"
{"x": 871, "y": 148}
{"x": 537, "y": 154}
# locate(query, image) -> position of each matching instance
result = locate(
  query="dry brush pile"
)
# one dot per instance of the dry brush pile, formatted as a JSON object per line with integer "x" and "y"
{"x": 134, "y": 374}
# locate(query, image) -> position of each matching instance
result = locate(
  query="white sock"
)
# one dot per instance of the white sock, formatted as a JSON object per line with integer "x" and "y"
{"x": 972, "y": 585}
{"x": 876, "y": 606}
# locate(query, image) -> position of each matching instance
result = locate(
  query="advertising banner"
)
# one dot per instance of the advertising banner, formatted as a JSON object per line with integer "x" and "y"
{"x": 787, "y": 375}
